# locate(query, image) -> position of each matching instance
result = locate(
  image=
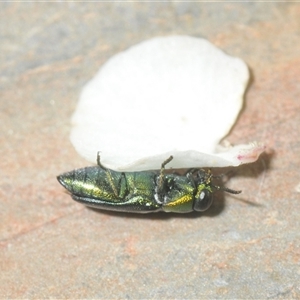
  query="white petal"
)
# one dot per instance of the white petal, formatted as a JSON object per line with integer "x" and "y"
{"x": 167, "y": 96}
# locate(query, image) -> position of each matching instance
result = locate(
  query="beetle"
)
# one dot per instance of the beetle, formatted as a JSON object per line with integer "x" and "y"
{"x": 142, "y": 192}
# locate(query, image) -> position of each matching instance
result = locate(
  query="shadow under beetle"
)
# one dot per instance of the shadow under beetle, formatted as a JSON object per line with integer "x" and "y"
{"x": 142, "y": 192}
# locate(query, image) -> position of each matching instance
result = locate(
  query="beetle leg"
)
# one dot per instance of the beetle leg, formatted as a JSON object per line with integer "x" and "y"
{"x": 190, "y": 171}
{"x": 162, "y": 174}
{"x": 98, "y": 161}
{"x": 190, "y": 177}
{"x": 162, "y": 169}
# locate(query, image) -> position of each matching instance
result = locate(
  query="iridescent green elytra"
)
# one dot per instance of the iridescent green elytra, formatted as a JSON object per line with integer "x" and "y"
{"x": 141, "y": 192}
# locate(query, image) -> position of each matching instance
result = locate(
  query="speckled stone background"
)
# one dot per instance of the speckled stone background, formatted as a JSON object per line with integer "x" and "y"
{"x": 245, "y": 246}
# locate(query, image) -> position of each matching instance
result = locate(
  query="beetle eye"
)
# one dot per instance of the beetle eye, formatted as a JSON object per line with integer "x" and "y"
{"x": 204, "y": 201}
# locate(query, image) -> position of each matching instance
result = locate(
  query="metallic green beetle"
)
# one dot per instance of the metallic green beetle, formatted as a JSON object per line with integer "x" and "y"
{"x": 141, "y": 192}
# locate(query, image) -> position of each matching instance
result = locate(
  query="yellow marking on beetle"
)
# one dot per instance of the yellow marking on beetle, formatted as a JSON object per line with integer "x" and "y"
{"x": 200, "y": 188}
{"x": 180, "y": 201}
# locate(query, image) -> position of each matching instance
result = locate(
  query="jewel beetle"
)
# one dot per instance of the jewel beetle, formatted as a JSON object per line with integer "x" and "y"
{"x": 142, "y": 192}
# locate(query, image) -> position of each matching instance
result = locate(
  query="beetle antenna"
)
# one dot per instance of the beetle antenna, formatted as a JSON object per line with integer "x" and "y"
{"x": 226, "y": 189}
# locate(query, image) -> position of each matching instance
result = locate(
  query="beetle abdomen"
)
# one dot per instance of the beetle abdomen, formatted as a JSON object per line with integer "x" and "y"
{"x": 111, "y": 190}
